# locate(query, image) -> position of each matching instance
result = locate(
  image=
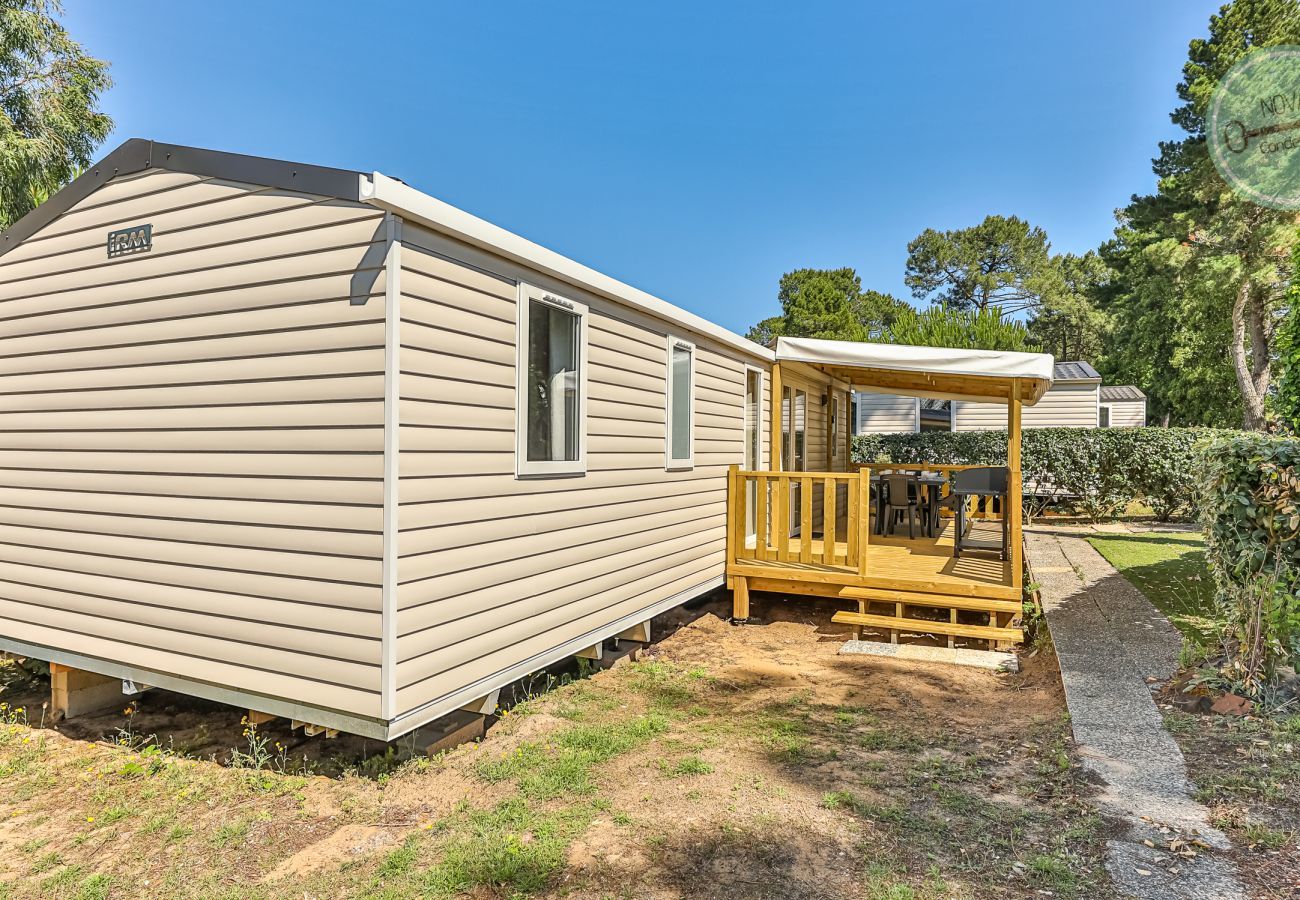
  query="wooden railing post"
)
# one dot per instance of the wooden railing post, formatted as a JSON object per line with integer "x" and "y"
{"x": 1013, "y": 510}
{"x": 864, "y": 517}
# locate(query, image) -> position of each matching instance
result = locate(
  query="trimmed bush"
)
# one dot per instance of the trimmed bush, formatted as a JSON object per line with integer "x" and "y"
{"x": 1098, "y": 470}
{"x": 1249, "y": 503}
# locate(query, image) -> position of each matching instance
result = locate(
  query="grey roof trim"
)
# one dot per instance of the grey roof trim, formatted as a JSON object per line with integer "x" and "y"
{"x": 138, "y": 154}
{"x": 1074, "y": 370}
{"x": 1113, "y": 392}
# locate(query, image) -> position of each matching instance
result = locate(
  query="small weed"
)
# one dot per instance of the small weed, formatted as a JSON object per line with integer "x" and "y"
{"x": 690, "y": 765}
{"x": 1264, "y": 837}
{"x": 231, "y": 833}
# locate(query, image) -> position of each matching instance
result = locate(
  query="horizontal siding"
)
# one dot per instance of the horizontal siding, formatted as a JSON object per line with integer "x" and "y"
{"x": 191, "y": 439}
{"x": 1063, "y": 406}
{"x": 886, "y": 414}
{"x": 493, "y": 569}
{"x": 1127, "y": 413}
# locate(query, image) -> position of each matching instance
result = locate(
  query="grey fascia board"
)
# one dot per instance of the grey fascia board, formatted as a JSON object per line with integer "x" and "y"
{"x": 138, "y": 154}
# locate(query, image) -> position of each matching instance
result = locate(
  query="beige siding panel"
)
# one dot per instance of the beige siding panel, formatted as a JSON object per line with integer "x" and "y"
{"x": 454, "y": 569}
{"x": 191, "y": 439}
{"x": 302, "y": 590}
{"x": 561, "y": 585}
{"x": 1063, "y": 406}
{"x": 457, "y": 320}
{"x": 222, "y": 245}
{"x": 457, "y": 415}
{"x": 304, "y": 316}
{"x": 885, "y": 414}
{"x": 338, "y": 440}
{"x": 298, "y": 366}
{"x": 246, "y": 559}
{"x": 217, "y": 534}
{"x": 462, "y": 393}
{"x": 301, "y": 515}
{"x": 321, "y": 414}
{"x": 304, "y": 490}
{"x": 319, "y": 262}
{"x": 345, "y": 336}
{"x": 490, "y": 656}
{"x": 457, "y": 368}
{"x": 1127, "y": 413}
{"x": 300, "y": 637}
{"x": 236, "y": 218}
{"x": 238, "y": 393}
{"x": 426, "y": 527}
{"x": 315, "y": 619}
{"x": 293, "y": 465}
{"x": 152, "y": 652}
{"x": 453, "y": 273}
{"x": 437, "y": 340}
{"x": 423, "y": 480}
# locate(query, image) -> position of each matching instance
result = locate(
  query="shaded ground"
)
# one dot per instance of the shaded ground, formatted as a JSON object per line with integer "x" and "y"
{"x": 1248, "y": 772}
{"x": 725, "y": 762}
{"x": 1113, "y": 645}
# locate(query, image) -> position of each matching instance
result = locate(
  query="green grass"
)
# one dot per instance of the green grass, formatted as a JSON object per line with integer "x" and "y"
{"x": 1170, "y": 569}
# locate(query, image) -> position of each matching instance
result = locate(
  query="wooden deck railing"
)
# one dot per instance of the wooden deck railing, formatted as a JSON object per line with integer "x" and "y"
{"x": 778, "y": 515}
{"x": 820, "y": 518}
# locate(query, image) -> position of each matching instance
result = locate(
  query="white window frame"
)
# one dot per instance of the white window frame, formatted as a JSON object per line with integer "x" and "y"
{"x": 672, "y": 464}
{"x": 758, "y": 451}
{"x": 524, "y": 467}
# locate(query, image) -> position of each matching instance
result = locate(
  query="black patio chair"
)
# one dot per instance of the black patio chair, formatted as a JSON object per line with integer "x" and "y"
{"x": 901, "y": 494}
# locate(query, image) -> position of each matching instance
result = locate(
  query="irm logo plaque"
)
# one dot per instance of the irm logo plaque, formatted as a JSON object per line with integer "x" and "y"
{"x": 136, "y": 239}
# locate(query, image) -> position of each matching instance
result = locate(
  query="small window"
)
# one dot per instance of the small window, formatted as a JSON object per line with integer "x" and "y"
{"x": 1103, "y": 417}
{"x": 680, "y": 447}
{"x": 551, "y": 376}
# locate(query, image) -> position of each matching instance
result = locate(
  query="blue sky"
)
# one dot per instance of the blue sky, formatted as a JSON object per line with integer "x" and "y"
{"x": 695, "y": 150}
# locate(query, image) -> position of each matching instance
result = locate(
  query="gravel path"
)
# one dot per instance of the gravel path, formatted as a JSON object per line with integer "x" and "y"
{"x": 1110, "y": 640}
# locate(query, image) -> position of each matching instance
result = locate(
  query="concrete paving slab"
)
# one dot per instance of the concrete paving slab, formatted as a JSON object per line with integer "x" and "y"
{"x": 1109, "y": 640}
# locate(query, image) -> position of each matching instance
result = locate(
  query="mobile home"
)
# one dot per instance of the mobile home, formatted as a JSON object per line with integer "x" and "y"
{"x": 1122, "y": 406}
{"x": 1076, "y": 399}
{"x": 312, "y": 442}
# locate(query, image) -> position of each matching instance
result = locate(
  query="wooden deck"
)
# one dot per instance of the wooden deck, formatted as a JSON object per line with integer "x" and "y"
{"x": 924, "y": 565}
{"x": 807, "y": 533}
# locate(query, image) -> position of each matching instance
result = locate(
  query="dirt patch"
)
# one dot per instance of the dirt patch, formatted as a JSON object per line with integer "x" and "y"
{"x": 750, "y": 761}
{"x": 349, "y": 843}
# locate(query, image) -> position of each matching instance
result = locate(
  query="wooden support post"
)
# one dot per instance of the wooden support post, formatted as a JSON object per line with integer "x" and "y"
{"x": 313, "y": 730}
{"x": 952, "y": 618}
{"x": 774, "y": 448}
{"x": 259, "y": 718}
{"x": 1013, "y": 508}
{"x": 75, "y": 692}
{"x": 898, "y": 613}
{"x": 864, "y": 516}
{"x": 740, "y": 600}
{"x": 857, "y": 629}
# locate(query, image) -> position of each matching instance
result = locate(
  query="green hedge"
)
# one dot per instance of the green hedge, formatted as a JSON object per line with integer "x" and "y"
{"x": 1097, "y": 470}
{"x": 1249, "y": 503}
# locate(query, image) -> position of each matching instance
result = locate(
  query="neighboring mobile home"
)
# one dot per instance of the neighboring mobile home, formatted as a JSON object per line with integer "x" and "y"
{"x": 1122, "y": 406}
{"x": 1077, "y": 399}
{"x": 312, "y": 442}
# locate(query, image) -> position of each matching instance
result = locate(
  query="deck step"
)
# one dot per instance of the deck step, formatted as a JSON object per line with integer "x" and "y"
{"x": 926, "y": 626}
{"x": 942, "y": 601}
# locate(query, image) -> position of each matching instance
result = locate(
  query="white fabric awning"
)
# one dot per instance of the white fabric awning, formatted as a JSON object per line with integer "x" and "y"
{"x": 925, "y": 371}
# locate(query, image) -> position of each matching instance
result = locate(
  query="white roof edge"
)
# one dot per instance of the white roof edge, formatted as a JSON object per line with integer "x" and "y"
{"x": 938, "y": 360}
{"x": 390, "y": 194}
